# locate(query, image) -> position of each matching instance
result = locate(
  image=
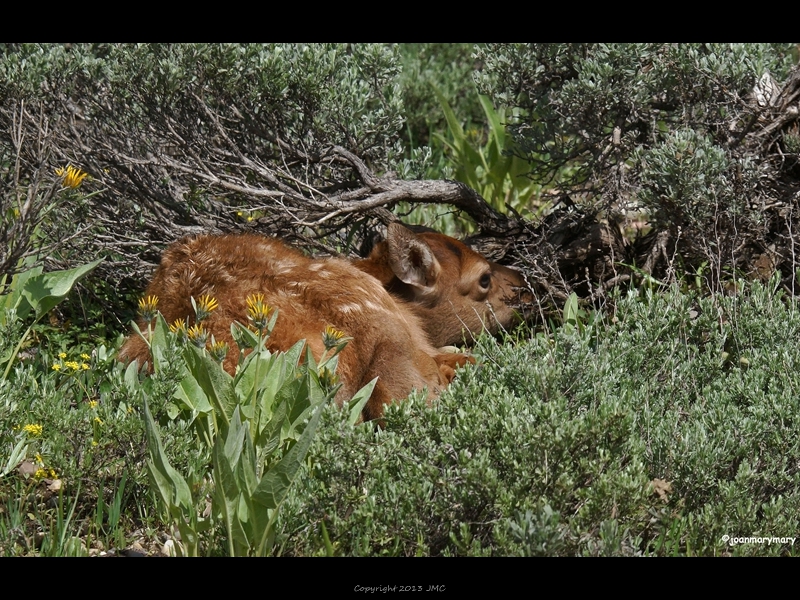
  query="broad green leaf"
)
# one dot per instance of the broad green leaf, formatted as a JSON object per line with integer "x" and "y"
{"x": 19, "y": 452}
{"x": 359, "y": 400}
{"x": 275, "y": 484}
{"x": 15, "y": 298}
{"x": 270, "y": 437}
{"x": 243, "y": 337}
{"x": 192, "y": 395}
{"x": 452, "y": 121}
{"x": 293, "y": 354}
{"x": 571, "y": 310}
{"x": 496, "y": 127}
{"x": 227, "y": 489}
{"x": 158, "y": 342}
{"x": 45, "y": 290}
{"x": 215, "y": 382}
{"x": 171, "y": 486}
{"x": 132, "y": 377}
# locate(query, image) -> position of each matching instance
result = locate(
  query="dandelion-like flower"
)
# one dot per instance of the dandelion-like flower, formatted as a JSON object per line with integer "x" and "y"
{"x": 258, "y": 311}
{"x": 72, "y": 176}
{"x": 56, "y": 367}
{"x": 204, "y": 307}
{"x": 33, "y": 429}
{"x": 92, "y": 403}
{"x": 218, "y": 350}
{"x": 72, "y": 365}
{"x": 85, "y": 366}
{"x": 332, "y": 338}
{"x": 62, "y": 355}
{"x": 98, "y": 420}
{"x": 178, "y": 327}
{"x": 197, "y": 335}
{"x": 327, "y": 378}
{"x": 148, "y": 307}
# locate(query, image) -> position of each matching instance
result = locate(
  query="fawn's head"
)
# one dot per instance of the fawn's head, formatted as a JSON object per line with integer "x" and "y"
{"x": 456, "y": 292}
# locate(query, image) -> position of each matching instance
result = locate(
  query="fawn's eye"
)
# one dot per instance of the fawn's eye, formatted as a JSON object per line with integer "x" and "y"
{"x": 485, "y": 281}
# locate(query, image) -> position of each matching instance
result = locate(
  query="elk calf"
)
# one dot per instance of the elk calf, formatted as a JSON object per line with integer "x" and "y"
{"x": 414, "y": 294}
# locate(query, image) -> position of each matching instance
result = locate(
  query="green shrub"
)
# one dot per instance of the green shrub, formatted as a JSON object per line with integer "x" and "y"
{"x": 659, "y": 432}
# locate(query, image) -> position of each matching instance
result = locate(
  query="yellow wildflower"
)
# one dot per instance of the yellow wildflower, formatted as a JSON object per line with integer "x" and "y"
{"x": 258, "y": 311}
{"x": 33, "y": 429}
{"x": 198, "y": 336}
{"x": 85, "y": 366}
{"x": 40, "y": 473}
{"x": 327, "y": 378}
{"x": 204, "y": 307}
{"x": 62, "y": 355}
{"x": 332, "y": 338}
{"x": 72, "y": 176}
{"x": 178, "y": 327}
{"x": 148, "y": 307}
{"x": 85, "y": 356}
{"x": 56, "y": 367}
{"x": 92, "y": 403}
{"x": 218, "y": 350}
{"x": 71, "y": 364}
{"x": 98, "y": 420}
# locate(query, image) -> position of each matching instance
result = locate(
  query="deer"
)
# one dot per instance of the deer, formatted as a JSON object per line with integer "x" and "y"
{"x": 404, "y": 306}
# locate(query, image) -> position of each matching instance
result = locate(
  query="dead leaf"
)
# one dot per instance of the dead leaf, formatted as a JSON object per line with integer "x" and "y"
{"x": 27, "y": 468}
{"x": 662, "y": 488}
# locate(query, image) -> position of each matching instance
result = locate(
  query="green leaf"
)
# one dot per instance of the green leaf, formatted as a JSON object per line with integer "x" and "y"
{"x": 192, "y": 395}
{"x": 15, "y": 299}
{"x": 45, "y": 290}
{"x": 571, "y": 311}
{"x": 171, "y": 486}
{"x": 158, "y": 342}
{"x": 496, "y": 128}
{"x": 359, "y": 400}
{"x": 243, "y": 337}
{"x": 270, "y": 437}
{"x": 132, "y": 377}
{"x": 276, "y": 483}
{"x": 214, "y": 381}
{"x": 17, "y": 454}
{"x": 227, "y": 496}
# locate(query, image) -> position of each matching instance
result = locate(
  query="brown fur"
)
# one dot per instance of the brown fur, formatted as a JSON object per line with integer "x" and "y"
{"x": 437, "y": 290}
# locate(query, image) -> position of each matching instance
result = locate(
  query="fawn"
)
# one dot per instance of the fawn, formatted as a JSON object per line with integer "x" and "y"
{"x": 415, "y": 293}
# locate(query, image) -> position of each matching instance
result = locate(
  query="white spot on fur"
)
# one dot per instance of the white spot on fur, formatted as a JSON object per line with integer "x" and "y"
{"x": 350, "y": 307}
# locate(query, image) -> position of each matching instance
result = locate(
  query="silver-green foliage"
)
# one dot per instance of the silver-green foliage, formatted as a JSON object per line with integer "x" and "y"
{"x": 313, "y": 94}
{"x": 555, "y": 445}
{"x": 590, "y": 106}
{"x": 258, "y": 426}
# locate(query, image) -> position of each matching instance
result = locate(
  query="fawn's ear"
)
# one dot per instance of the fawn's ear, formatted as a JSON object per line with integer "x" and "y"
{"x": 411, "y": 258}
